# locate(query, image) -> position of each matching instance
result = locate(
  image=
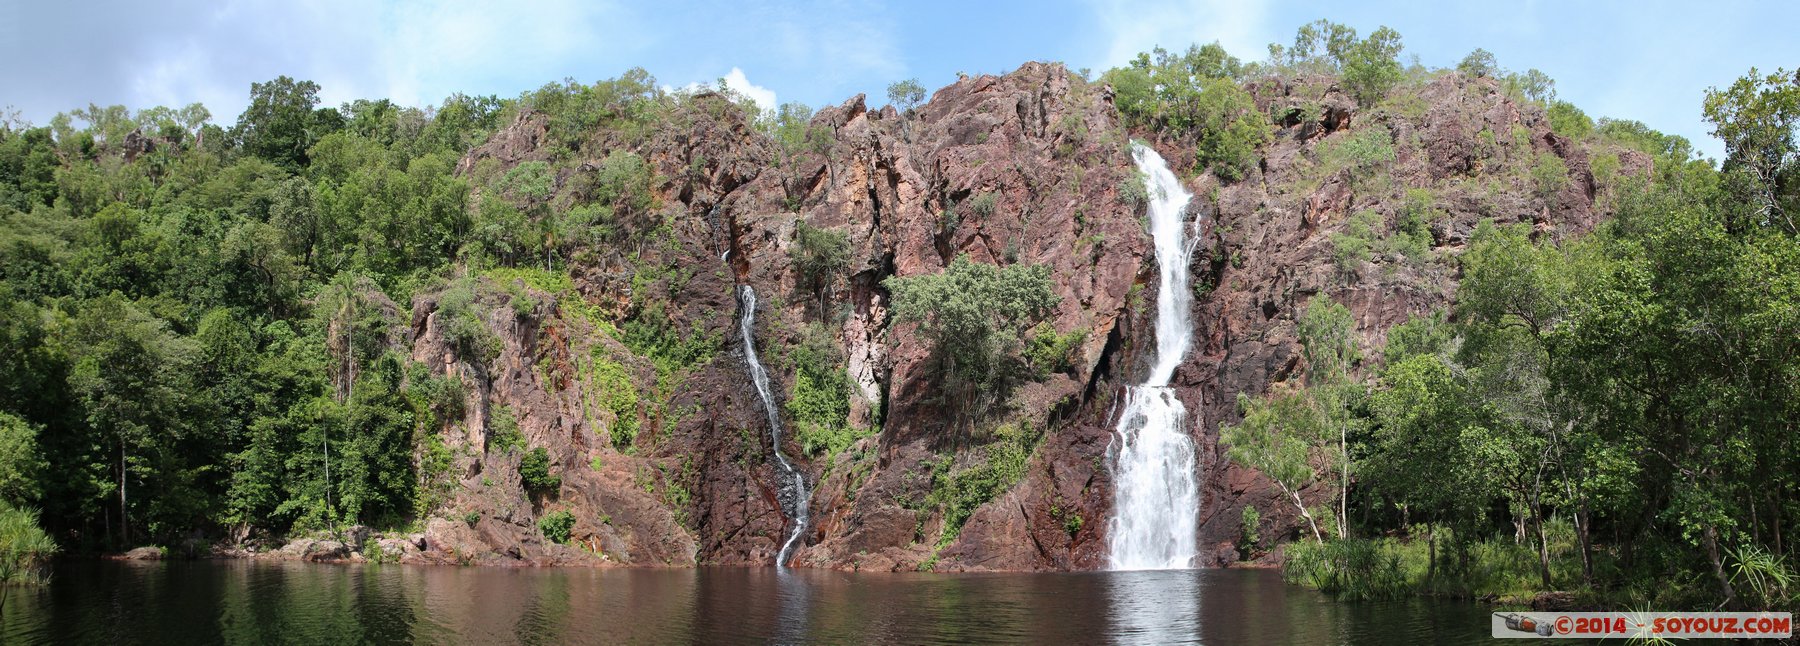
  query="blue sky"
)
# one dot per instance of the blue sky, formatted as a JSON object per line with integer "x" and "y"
{"x": 1650, "y": 61}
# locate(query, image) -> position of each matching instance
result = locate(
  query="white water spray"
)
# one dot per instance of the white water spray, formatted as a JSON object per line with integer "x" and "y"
{"x": 1155, "y": 495}
{"x": 792, "y": 492}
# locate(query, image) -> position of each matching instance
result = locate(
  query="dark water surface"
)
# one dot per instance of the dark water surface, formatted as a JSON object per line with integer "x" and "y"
{"x": 241, "y": 602}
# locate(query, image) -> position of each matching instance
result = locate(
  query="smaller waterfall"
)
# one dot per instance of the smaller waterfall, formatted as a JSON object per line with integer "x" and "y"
{"x": 791, "y": 492}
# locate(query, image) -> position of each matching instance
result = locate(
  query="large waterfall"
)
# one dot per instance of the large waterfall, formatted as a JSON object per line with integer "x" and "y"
{"x": 1155, "y": 495}
{"x": 791, "y": 491}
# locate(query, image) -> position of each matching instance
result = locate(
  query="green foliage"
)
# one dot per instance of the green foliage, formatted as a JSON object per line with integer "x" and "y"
{"x": 905, "y": 95}
{"x": 1194, "y": 92}
{"x": 280, "y": 123}
{"x": 503, "y": 430}
{"x": 1369, "y": 66}
{"x": 1133, "y": 192}
{"x": 534, "y": 472}
{"x": 793, "y": 130}
{"x": 437, "y": 478}
{"x": 615, "y": 392}
{"x": 1758, "y": 118}
{"x": 1048, "y": 352}
{"x": 1350, "y": 247}
{"x": 1549, "y": 175}
{"x": 463, "y": 327}
{"x": 819, "y": 255}
{"x": 1249, "y": 529}
{"x": 1569, "y": 121}
{"x": 556, "y": 525}
{"x": 1230, "y": 128}
{"x": 1364, "y": 153}
{"x": 532, "y": 180}
{"x": 819, "y": 402}
{"x": 25, "y": 549}
{"x": 1277, "y": 437}
{"x": 21, "y": 461}
{"x": 959, "y": 493}
{"x": 1479, "y": 63}
{"x": 627, "y": 105}
{"x": 1533, "y": 85}
{"x": 974, "y": 315}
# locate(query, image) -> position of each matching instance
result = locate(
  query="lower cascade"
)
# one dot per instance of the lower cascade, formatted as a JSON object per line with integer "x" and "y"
{"x": 791, "y": 490}
{"x": 1155, "y": 494}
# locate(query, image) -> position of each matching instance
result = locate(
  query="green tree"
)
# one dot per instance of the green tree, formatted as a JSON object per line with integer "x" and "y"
{"x": 21, "y": 461}
{"x": 130, "y": 377}
{"x": 819, "y": 255}
{"x": 534, "y": 472}
{"x": 1479, "y": 63}
{"x": 1328, "y": 341}
{"x": 905, "y": 95}
{"x": 280, "y": 123}
{"x": 1278, "y": 437}
{"x": 1758, "y": 118}
{"x": 974, "y": 316}
{"x": 1371, "y": 67}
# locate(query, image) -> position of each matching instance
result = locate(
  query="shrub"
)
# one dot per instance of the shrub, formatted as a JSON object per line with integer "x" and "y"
{"x": 1549, "y": 175}
{"x": 1132, "y": 191}
{"x": 1048, "y": 352}
{"x": 962, "y": 492}
{"x": 905, "y": 95}
{"x": 531, "y": 180}
{"x": 615, "y": 393}
{"x": 1479, "y": 63}
{"x": 503, "y": 430}
{"x": 973, "y": 314}
{"x": 534, "y": 472}
{"x": 1249, "y": 529}
{"x": 818, "y": 255}
{"x": 1230, "y": 128}
{"x": 1371, "y": 66}
{"x": 1194, "y": 92}
{"x": 25, "y": 549}
{"x": 464, "y": 330}
{"x": 1363, "y": 152}
{"x": 21, "y": 463}
{"x": 982, "y": 204}
{"x": 556, "y": 525}
{"x": 1569, "y": 121}
{"x": 820, "y": 402}
{"x": 1350, "y": 247}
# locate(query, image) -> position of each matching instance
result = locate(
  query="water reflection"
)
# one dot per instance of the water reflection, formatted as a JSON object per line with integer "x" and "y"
{"x": 1154, "y": 606}
{"x": 256, "y": 603}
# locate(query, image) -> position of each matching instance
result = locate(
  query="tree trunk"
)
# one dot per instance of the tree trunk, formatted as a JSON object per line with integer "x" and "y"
{"x": 1304, "y": 513}
{"x": 124, "y": 512}
{"x": 1710, "y": 539}
{"x": 1537, "y": 518}
{"x": 1775, "y": 520}
{"x": 1431, "y": 553}
{"x": 1582, "y": 532}
{"x": 1344, "y": 486}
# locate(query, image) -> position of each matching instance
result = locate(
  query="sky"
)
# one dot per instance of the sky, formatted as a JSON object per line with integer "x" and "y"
{"x": 1647, "y": 60}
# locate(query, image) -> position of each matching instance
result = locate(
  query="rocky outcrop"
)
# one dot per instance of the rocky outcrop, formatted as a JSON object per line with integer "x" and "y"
{"x": 1022, "y": 168}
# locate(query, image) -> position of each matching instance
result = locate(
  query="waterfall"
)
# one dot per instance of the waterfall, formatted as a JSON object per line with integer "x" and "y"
{"x": 791, "y": 491}
{"x": 1155, "y": 494}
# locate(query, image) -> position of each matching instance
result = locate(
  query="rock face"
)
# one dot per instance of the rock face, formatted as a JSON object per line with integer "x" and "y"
{"x": 1031, "y": 167}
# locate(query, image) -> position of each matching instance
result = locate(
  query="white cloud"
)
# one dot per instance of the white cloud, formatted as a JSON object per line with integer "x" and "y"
{"x": 736, "y": 81}
{"x": 1129, "y": 27}
{"x": 764, "y": 97}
